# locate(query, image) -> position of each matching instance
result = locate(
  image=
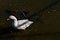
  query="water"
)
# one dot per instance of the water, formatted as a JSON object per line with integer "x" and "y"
{"x": 50, "y": 21}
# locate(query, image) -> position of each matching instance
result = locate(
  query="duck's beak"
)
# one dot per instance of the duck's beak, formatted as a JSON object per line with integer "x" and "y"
{"x": 8, "y": 18}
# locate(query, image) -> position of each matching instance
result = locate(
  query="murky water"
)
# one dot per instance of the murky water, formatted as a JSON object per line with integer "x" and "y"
{"x": 46, "y": 27}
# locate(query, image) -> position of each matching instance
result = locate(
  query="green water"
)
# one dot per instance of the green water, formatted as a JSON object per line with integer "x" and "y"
{"x": 50, "y": 18}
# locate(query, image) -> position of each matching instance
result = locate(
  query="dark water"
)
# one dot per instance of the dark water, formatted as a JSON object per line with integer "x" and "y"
{"x": 46, "y": 24}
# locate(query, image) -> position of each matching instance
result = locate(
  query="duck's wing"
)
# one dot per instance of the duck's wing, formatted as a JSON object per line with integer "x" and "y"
{"x": 24, "y": 24}
{"x": 22, "y": 21}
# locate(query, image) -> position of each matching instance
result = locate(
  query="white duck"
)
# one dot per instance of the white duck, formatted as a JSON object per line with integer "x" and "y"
{"x": 20, "y": 24}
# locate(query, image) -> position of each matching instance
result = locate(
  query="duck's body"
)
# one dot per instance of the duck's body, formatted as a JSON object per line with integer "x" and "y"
{"x": 20, "y": 24}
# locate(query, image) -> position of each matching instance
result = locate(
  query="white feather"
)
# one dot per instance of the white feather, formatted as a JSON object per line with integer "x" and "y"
{"x": 20, "y": 24}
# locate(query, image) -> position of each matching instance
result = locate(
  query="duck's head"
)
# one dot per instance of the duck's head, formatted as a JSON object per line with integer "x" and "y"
{"x": 12, "y": 17}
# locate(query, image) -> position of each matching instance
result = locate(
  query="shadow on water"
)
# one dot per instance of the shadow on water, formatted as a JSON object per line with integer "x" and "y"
{"x": 8, "y": 30}
{"x": 36, "y": 15}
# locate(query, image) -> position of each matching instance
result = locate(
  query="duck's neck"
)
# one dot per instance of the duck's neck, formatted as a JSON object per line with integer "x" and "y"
{"x": 15, "y": 23}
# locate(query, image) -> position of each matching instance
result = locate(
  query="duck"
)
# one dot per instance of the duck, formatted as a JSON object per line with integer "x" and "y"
{"x": 20, "y": 24}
